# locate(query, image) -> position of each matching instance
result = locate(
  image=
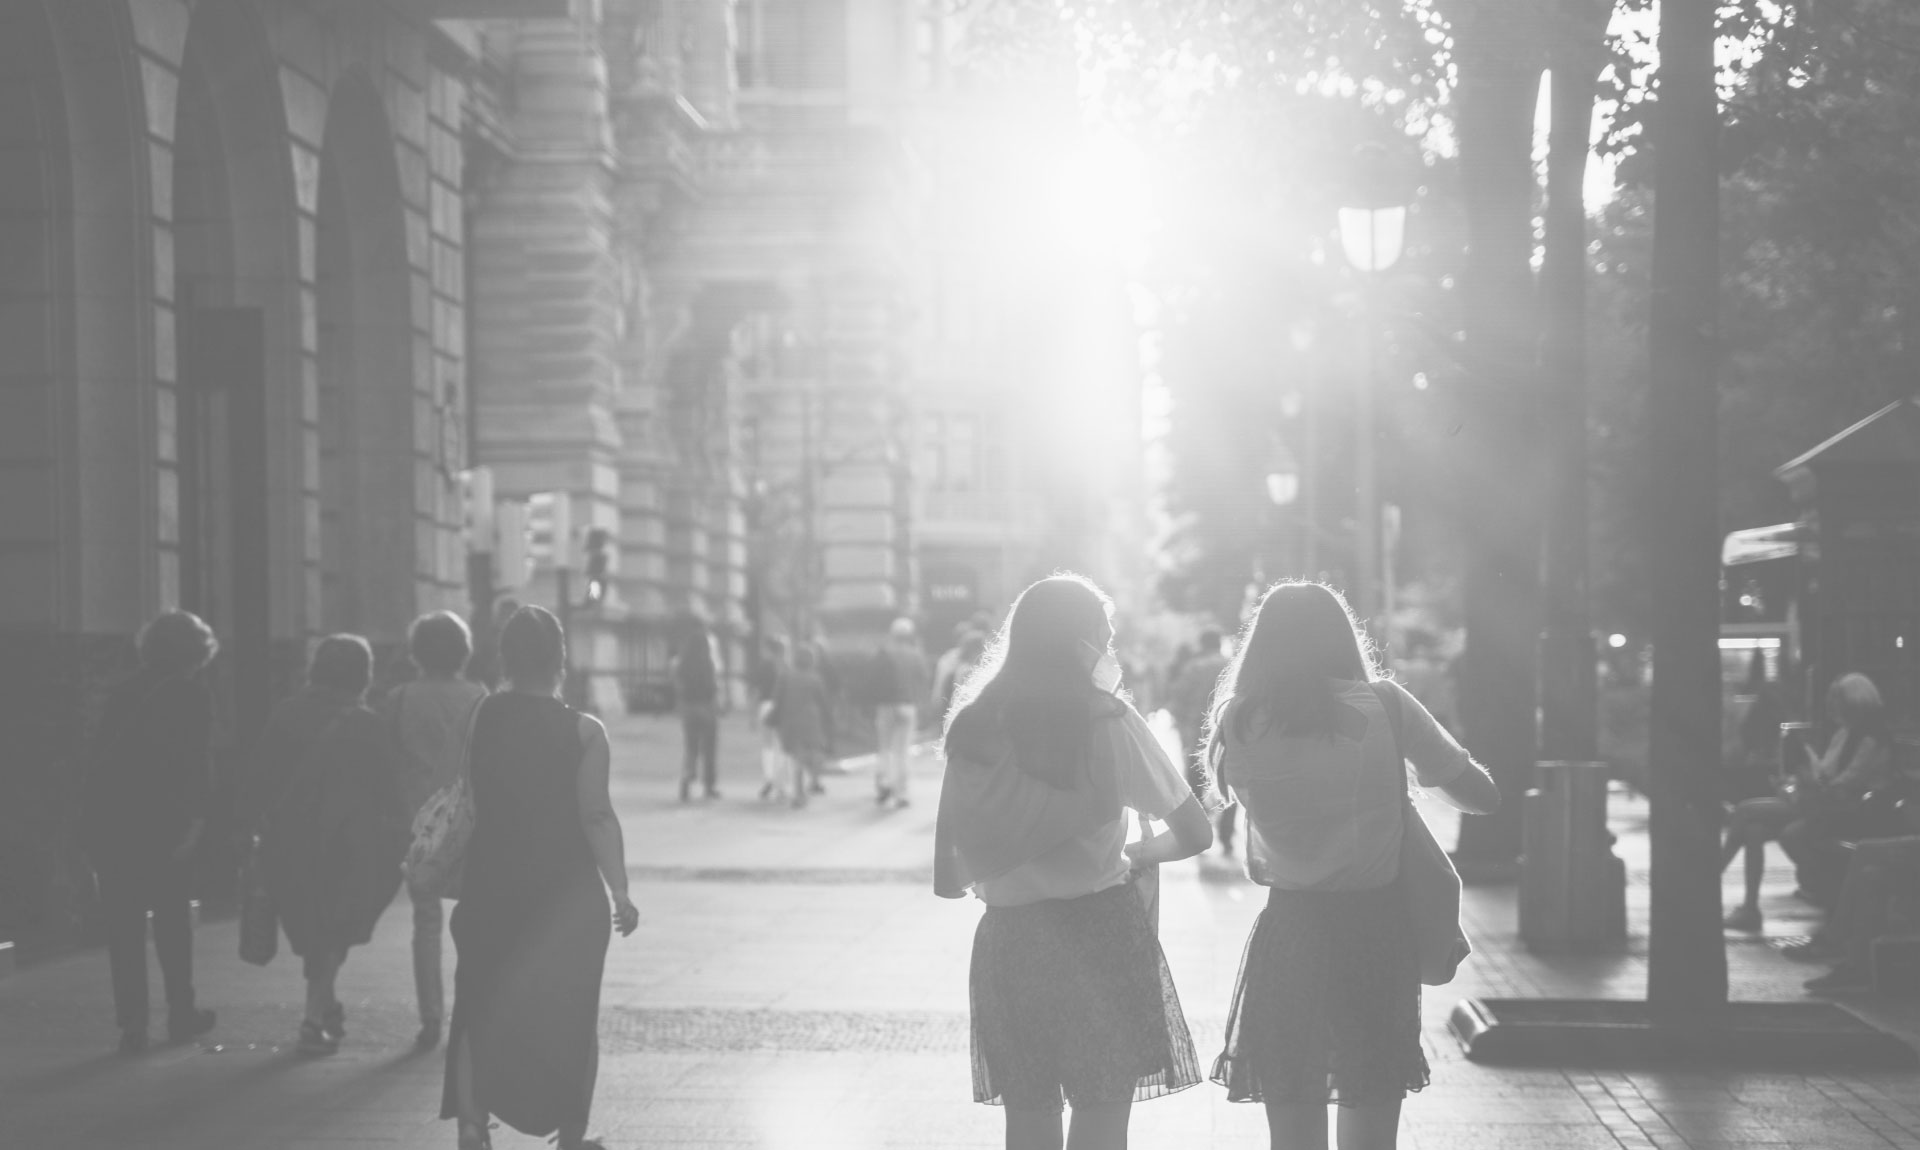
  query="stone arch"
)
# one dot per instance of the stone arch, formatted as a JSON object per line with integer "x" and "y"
{"x": 369, "y": 512}
{"x": 242, "y": 447}
{"x": 35, "y": 229}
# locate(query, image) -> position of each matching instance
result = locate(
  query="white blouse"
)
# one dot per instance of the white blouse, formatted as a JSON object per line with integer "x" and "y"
{"x": 1326, "y": 814}
{"x": 1149, "y": 783}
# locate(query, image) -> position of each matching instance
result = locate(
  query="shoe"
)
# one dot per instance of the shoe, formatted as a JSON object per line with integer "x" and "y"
{"x": 315, "y": 1041}
{"x": 800, "y": 801}
{"x": 133, "y": 1040}
{"x": 583, "y": 1144}
{"x": 1745, "y": 918}
{"x": 881, "y": 796}
{"x": 189, "y": 1026}
{"x": 712, "y": 794}
{"x": 816, "y": 788}
{"x": 474, "y": 1138}
{"x": 334, "y": 1022}
{"x": 429, "y": 1036}
{"x": 686, "y": 790}
{"x": 1841, "y": 978}
{"x": 766, "y": 791}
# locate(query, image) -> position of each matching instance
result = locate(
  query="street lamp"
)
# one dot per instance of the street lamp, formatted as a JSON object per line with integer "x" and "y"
{"x": 1373, "y": 228}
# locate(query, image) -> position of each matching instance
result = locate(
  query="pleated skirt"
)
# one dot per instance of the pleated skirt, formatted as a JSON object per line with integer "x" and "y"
{"x": 1327, "y": 1007}
{"x": 1072, "y": 1000}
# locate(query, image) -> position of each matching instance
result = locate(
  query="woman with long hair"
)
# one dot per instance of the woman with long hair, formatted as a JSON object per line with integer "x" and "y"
{"x": 531, "y": 929}
{"x": 1302, "y": 731}
{"x": 1072, "y": 998}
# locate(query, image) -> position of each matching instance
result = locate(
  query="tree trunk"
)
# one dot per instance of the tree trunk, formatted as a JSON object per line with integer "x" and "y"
{"x": 1500, "y": 498}
{"x": 1687, "y": 959}
{"x": 1568, "y": 700}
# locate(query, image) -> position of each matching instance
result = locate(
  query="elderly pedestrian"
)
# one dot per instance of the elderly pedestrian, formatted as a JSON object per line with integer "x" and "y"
{"x": 1072, "y": 998}
{"x": 326, "y": 796}
{"x": 145, "y": 812}
{"x": 1327, "y": 1009}
{"x": 803, "y": 719}
{"x": 432, "y": 717}
{"x": 532, "y": 926}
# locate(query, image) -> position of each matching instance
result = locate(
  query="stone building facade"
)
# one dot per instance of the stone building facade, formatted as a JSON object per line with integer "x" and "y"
{"x": 273, "y": 273}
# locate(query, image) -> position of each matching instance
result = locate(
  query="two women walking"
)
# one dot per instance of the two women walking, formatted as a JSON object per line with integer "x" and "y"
{"x": 1071, "y": 997}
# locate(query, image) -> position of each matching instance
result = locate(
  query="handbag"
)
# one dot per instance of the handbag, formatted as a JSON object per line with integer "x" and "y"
{"x": 259, "y": 915}
{"x": 437, "y": 854}
{"x": 1428, "y": 878}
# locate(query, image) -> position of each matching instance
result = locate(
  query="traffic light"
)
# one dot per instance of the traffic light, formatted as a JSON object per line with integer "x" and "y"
{"x": 599, "y": 548}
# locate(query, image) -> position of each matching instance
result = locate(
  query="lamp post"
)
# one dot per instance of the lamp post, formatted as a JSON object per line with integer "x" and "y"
{"x": 1373, "y": 229}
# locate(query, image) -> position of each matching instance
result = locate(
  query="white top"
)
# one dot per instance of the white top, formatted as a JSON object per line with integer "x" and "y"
{"x": 1149, "y": 783}
{"x": 1327, "y": 814}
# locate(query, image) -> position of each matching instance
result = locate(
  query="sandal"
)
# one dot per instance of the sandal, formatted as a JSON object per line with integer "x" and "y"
{"x": 315, "y": 1041}
{"x": 474, "y": 1138}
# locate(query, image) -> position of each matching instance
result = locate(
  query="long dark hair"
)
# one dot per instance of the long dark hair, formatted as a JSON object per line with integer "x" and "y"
{"x": 1301, "y": 638}
{"x": 1031, "y": 690}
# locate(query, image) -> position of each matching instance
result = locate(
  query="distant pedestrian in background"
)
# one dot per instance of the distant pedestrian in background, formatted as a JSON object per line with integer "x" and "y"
{"x": 146, "y": 809}
{"x": 1072, "y": 999}
{"x": 902, "y": 684}
{"x": 1310, "y": 740}
{"x": 967, "y": 656}
{"x": 696, "y": 684}
{"x": 1188, "y": 697}
{"x": 763, "y": 679}
{"x": 326, "y": 794}
{"x": 531, "y": 927}
{"x": 803, "y": 717}
{"x": 432, "y": 717}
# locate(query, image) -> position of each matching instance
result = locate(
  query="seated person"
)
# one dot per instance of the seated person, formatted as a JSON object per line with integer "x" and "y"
{"x": 1879, "y": 871}
{"x": 1814, "y": 812}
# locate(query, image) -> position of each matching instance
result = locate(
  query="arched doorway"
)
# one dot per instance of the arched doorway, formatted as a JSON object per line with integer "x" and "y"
{"x": 369, "y": 514}
{"x": 233, "y": 282}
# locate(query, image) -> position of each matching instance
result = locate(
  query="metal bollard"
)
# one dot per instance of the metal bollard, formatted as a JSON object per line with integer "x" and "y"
{"x": 1572, "y": 888}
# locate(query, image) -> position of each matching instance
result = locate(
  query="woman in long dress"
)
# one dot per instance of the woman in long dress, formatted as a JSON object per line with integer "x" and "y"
{"x": 1072, "y": 999}
{"x": 1305, "y": 735}
{"x": 531, "y": 929}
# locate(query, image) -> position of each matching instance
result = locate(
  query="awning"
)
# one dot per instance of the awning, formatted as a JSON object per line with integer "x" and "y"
{"x": 1759, "y": 544}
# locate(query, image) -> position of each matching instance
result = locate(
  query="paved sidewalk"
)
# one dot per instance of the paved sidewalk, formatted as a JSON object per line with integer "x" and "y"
{"x": 794, "y": 984}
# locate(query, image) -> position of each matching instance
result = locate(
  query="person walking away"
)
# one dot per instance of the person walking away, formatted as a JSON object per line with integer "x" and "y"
{"x": 1187, "y": 698}
{"x": 1814, "y": 799}
{"x": 901, "y": 684}
{"x": 967, "y": 656}
{"x": 1072, "y": 999}
{"x": 531, "y": 928}
{"x": 1327, "y": 1006}
{"x": 696, "y": 681}
{"x": 431, "y": 717}
{"x": 763, "y": 679}
{"x": 803, "y": 719}
{"x": 333, "y": 824}
{"x": 145, "y": 811}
